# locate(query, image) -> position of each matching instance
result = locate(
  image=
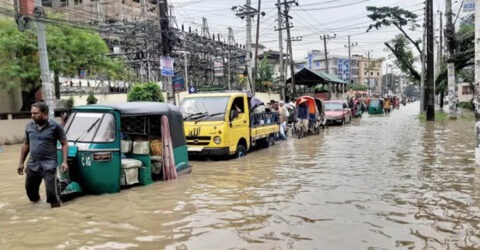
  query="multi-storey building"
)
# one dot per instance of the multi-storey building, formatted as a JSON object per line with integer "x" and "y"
{"x": 365, "y": 71}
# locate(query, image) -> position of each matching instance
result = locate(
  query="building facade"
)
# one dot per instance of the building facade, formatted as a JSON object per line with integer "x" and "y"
{"x": 364, "y": 71}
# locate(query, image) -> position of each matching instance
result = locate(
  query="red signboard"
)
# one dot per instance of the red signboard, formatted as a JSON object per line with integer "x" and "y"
{"x": 26, "y": 7}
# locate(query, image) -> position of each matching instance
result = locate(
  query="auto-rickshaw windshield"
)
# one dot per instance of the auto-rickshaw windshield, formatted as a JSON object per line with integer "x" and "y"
{"x": 91, "y": 127}
{"x": 200, "y": 107}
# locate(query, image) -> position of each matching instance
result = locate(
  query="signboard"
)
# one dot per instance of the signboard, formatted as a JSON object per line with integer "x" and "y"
{"x": 178, "y": 83}
{"x": 218, "y": 68}
{"x": 192, "y": 90}
{"x": 343, "y": 69}
{"x": 468, "y": 5}
{"x": 166, "y": 65}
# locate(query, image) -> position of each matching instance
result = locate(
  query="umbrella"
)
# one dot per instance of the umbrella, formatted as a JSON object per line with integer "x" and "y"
{"x": 255, "y": 102}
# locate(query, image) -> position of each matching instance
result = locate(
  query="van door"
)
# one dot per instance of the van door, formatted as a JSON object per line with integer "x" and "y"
{"x": 238, "y": 122}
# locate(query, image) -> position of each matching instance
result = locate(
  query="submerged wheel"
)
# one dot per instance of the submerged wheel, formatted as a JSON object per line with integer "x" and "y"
{"x": 270, "y": 141}
{"x": 241, "y": 151}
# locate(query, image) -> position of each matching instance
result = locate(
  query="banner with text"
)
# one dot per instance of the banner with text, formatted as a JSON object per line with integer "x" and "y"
{"x": 218, "y": 68}
{"x": 166, "y": 65}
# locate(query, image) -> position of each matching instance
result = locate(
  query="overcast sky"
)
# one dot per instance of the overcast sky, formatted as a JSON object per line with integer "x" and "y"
{"x": 311, "y": 19}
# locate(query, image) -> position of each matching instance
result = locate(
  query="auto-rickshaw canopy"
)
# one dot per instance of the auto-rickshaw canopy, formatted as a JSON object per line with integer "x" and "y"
{"x": 172, "y": 112}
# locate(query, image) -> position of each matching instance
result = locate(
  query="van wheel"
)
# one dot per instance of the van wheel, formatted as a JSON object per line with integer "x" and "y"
{"x": 241, "y": 151}
{"x": 270, "y": 141}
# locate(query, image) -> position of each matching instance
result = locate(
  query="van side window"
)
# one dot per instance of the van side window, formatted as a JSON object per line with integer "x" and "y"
{"x": 238, "y": 105}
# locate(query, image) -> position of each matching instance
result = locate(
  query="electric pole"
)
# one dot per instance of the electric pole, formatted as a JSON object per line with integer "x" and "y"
{"x": 280, "y": 47}
{"x": 451, "y": 44}
{"x": 249, "y": 47}
{"x": 43, "y": 54}
{"x": 440, "y": 49}
{"x": 476, "y": 99}
{"x": 350, "y": 44}
{"x": 247, "y": 12}
{"x": 422, "y": 59}
{"x": 255, "y": 69}
{"x": 231, "y": 42}
{"x": 325, "y": 38}
{"x": 429, "y": 91}
{"x": 288, "y": 26}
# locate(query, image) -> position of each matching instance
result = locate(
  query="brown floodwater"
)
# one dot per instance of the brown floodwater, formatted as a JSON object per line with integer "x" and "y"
{"x": 382, "y": 182}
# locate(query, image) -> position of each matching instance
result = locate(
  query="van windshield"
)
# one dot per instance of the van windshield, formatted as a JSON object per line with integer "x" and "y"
{"x": 90, "y": 127}
{"x": 333, "y": 106}
{"x": 204, "y": 108}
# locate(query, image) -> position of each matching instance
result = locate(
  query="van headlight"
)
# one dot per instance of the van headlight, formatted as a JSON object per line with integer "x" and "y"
{"x": 217, "y": 139}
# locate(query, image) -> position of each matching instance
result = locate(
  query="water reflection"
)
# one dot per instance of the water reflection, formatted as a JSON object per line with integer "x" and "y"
{"x": 380, "y": 182}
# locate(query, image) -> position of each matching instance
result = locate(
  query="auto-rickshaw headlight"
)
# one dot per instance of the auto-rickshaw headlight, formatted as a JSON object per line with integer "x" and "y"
{"x": 217, "y": 139}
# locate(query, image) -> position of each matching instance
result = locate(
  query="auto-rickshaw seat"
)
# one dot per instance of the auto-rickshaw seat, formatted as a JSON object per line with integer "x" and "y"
{"x": 130, "y": 171}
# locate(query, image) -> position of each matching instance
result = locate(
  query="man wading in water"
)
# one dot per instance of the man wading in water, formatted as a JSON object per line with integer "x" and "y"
{"x": 41, "y": 139}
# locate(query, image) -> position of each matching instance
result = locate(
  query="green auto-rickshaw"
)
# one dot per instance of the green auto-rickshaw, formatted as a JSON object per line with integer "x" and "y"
{"x": 375, "y": 106}
{"x": 123, "y": 144}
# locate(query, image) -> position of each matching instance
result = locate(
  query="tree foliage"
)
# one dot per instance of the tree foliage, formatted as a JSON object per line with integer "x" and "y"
{"x": 404, "y": 56}
{"x": 464, "y": 56}
{"x": 394, "y": 16}
{"x": 359, "y": 87}
{"x": 69, "y": 51}
{"x": 399, "y": 46}
{"x": 91, "y": 99}
{"x": 19, "y": 65}
{"x": 264, "y": 75}
{"x": 147, "y": 92}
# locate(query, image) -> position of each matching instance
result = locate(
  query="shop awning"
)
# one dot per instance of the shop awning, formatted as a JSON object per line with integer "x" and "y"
{"x": 310, "y": 78}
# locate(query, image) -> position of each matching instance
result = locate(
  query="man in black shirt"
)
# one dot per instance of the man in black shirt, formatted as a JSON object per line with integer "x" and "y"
{"x": 41, "y": 139}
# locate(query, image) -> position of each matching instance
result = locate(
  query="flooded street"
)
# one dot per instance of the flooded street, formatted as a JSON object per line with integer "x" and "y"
{"x": 381, "y": 182}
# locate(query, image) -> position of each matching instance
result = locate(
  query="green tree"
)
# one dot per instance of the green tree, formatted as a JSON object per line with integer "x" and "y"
{"x": 404, "y": 56}
{"x": 359, "y": 87}
{"x": 147, "y": 92}
{"x": 19, "y": 66}
{"x": 402, "y": 20}
{"x": 91, "y": 99}
{"x": 69, "y": 49}
{"x": 464, "y": 57}
{"x": 264, "y": 75}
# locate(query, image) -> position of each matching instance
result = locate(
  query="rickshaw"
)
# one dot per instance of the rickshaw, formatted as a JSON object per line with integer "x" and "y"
{"x": 321, "y": 111}
{"x": 314, "y": 118}
{"x": 114, "y": 146}
{"x": 375, "y": 106}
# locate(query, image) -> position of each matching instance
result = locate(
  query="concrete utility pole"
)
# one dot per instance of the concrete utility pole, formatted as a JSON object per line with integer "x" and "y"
{"x": 350, "y": 59}
{"x": 476, "y": 99}
{"x": 451, "y": 44}
{"x": 429, "y": 86}
{"x": 288, "y": 26}
{"x": 325, "y": 38}
{"x": 231, "y": 42}
{"x": 422, "y": 60}
{"x": 255, "y": 68}
{"x": 247, "y": 12}
{"x": 248, "y": 49}
{"x": 280, "y": 47}
{"x": 47, "y": 86}
{"x": 165, "y": 44}
{"x": 440, "y": 49}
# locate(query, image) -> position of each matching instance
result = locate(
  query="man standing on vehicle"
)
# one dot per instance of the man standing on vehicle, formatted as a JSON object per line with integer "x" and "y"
{"x": 282, "y": 111}
{"x": 302, "y": 116}
{"x": 41, "y": 139}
